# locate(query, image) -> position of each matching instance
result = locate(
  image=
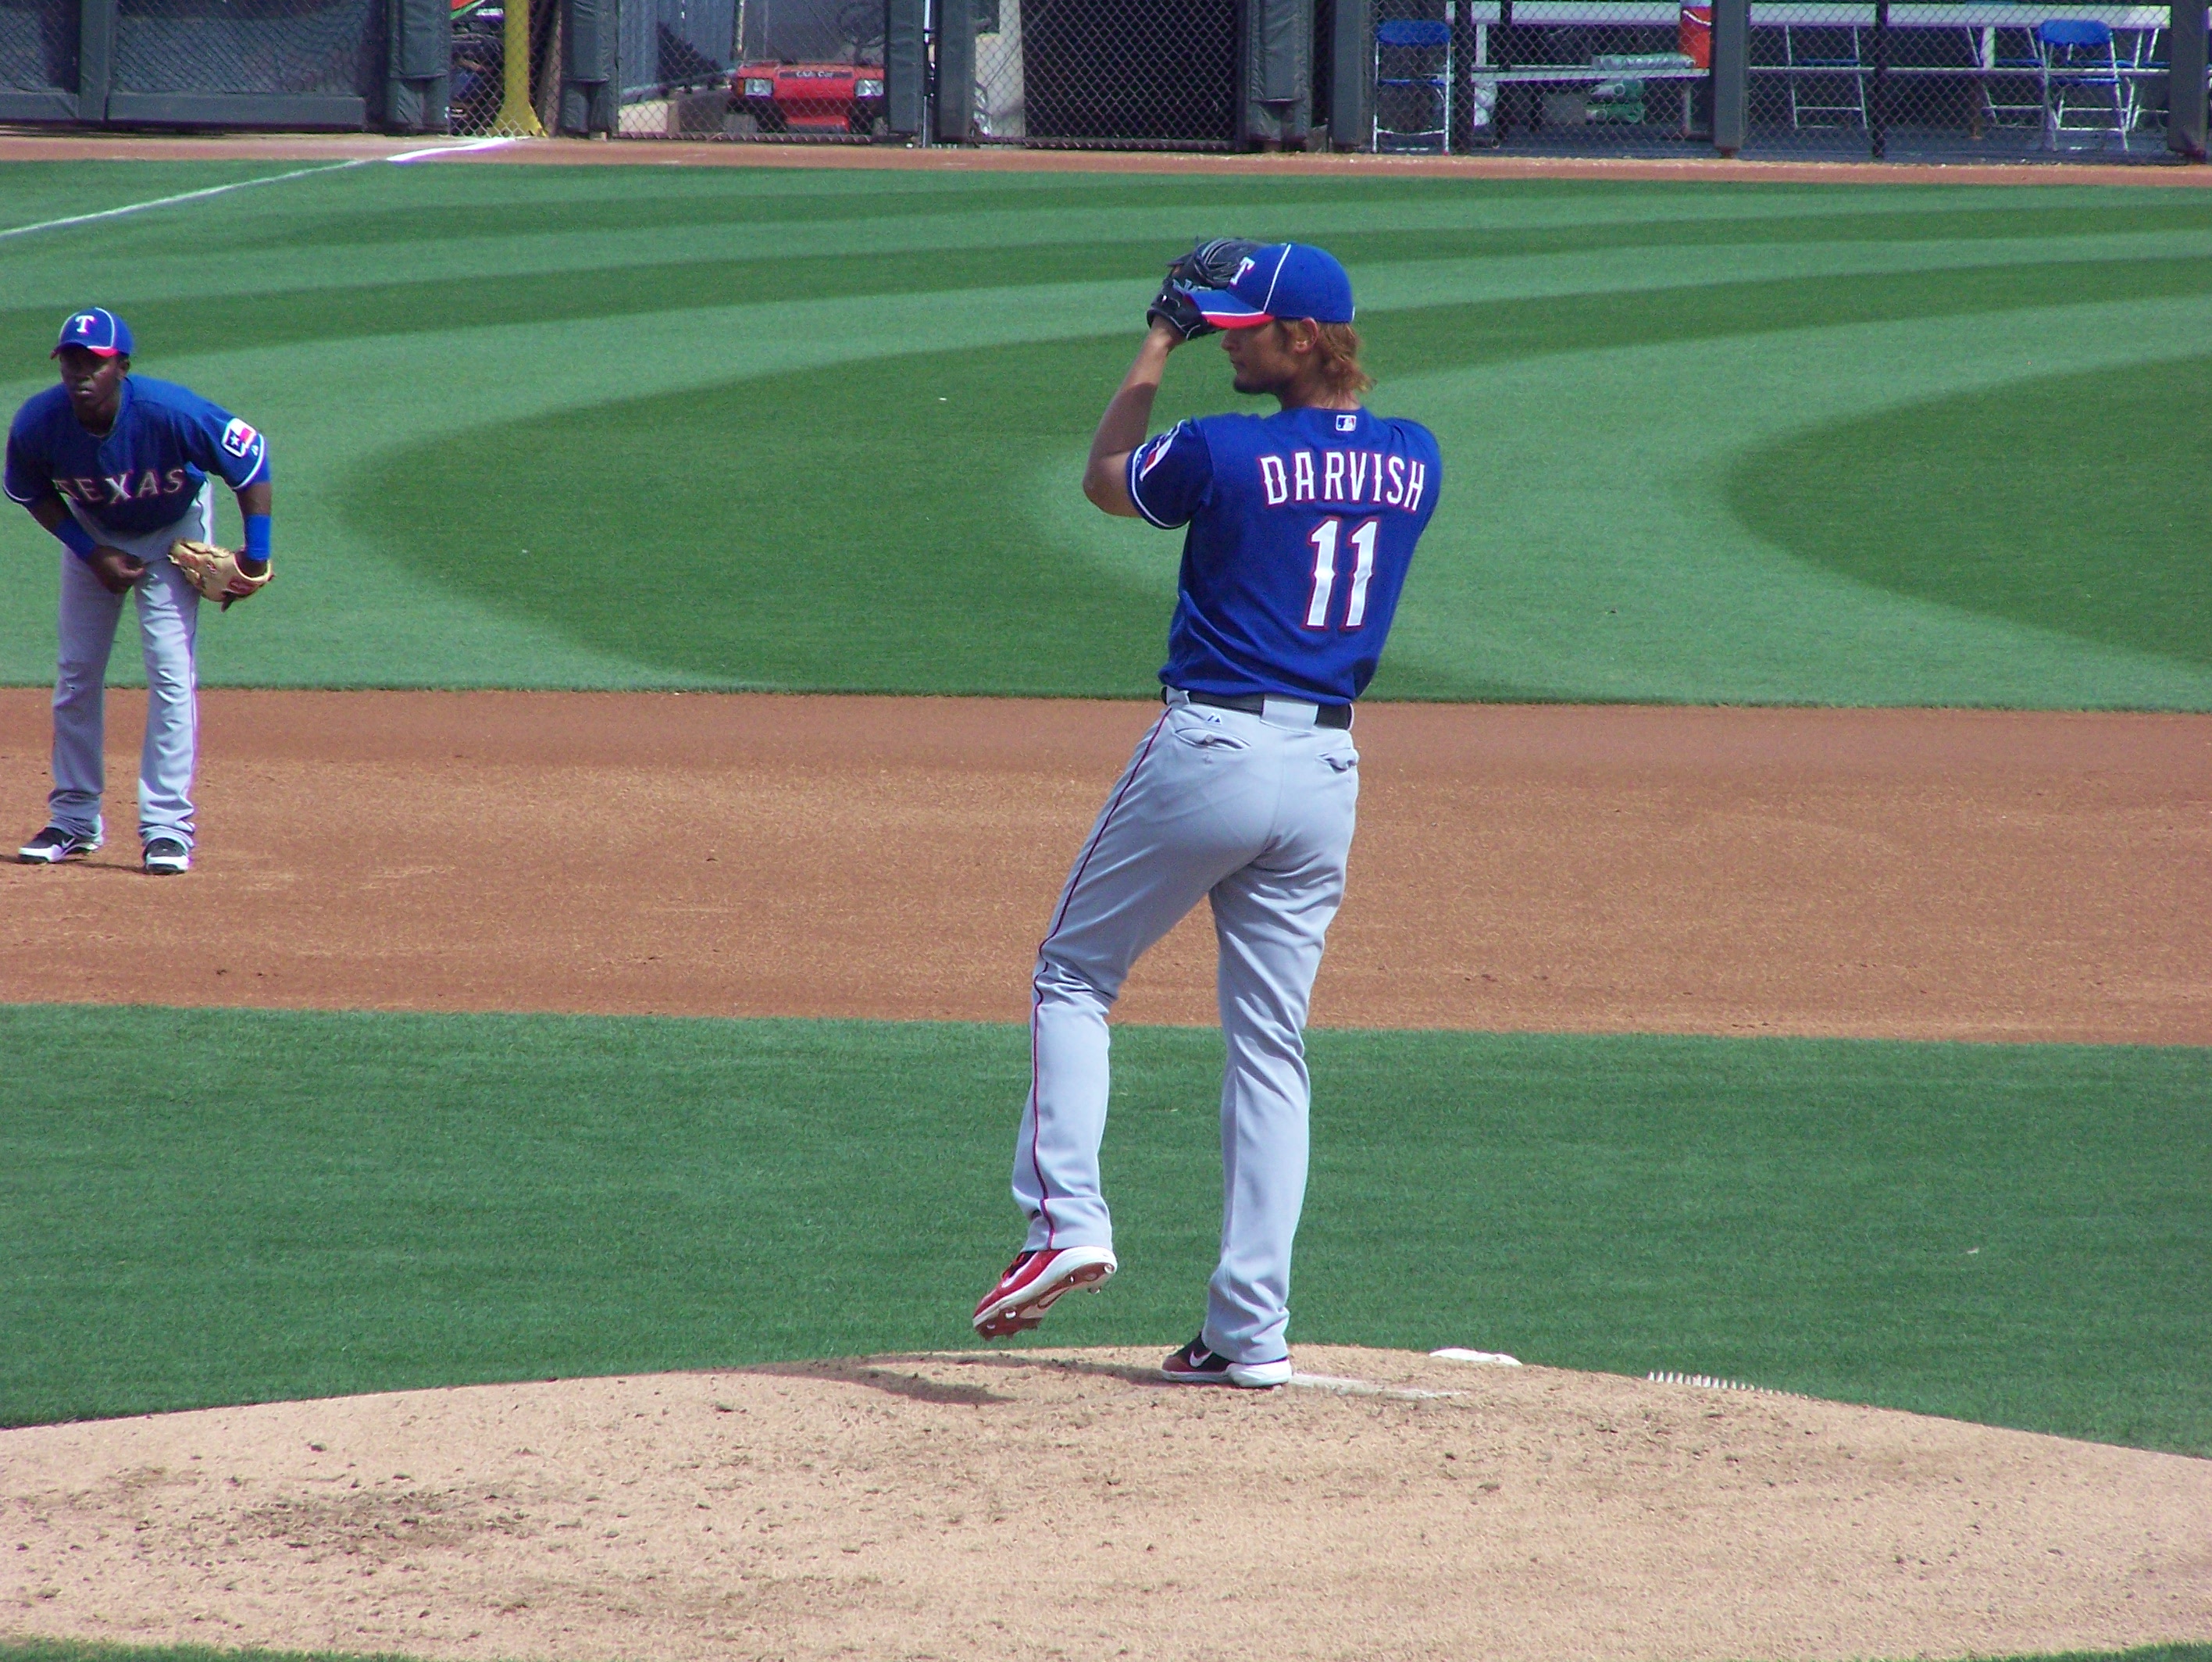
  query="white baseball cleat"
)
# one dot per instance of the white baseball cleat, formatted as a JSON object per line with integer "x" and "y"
{"x": 1196, "y": 1365}
{"x": 53, "y": 845}
{"x": 1034, "y": 1281}
{"x": 166, "y": 858}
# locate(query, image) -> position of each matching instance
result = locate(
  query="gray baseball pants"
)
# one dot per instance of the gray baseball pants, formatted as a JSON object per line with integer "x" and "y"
{"x": 1255, "y": 814}
{"x": 168, "y": 622}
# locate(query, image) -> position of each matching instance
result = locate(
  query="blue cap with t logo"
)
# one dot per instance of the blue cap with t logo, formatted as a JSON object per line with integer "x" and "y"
{"x": 1288, "y": 280}
{"x": 99, "y": 331}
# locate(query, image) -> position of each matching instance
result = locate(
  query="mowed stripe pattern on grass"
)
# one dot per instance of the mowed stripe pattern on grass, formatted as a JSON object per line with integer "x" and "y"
{"x": 828, "y": 424}
{"x": 293, "y": 1205}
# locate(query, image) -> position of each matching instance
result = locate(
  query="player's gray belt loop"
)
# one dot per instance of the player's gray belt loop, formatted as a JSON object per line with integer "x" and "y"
{"x": 1289, "y": 712}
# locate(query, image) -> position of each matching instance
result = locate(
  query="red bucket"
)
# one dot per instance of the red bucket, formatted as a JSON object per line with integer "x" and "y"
{"x": 1695, "y": 36}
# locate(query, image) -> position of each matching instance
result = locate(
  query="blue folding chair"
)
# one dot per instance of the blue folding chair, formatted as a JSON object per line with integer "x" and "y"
{"x": 1420, "y": 61}
{"x": 1837, "y": 69}
{"x": 2081, "y": 76}
{"x": 2010, "y": 60}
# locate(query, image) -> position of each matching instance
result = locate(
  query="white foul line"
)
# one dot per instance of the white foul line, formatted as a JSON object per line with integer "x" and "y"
{"x": 247, "y": 185}
{"x": 450, "y": 150}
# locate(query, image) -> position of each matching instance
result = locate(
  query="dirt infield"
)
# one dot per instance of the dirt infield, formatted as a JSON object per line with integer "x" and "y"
{"x": 1070, "y": 1504}
{"x": 30, "y": 146}
{"x": 1900, "y": 872}
{"x": 1883, "y": 873}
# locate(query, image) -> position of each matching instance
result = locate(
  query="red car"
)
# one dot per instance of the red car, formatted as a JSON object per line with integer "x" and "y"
{"x": 808, "y": 97}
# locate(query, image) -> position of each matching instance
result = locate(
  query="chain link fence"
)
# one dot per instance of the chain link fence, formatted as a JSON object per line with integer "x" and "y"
{"x": 1942, "y": 81}
{"x": 1106, "y": 72}
{"x": 1903, "y": 79}
{"x": 1907, "y": 80}
{"x": 1915, "y": 80}
{"x": 1123, "y": 73}
{"x": 1926, "y": 81}
{"x": 476, "y": 90}
{"x": 249, "y": 46}
{"x": 39, "y": 46}
{"x": 1555, "y": 76}
{"x": 775, "y": 71}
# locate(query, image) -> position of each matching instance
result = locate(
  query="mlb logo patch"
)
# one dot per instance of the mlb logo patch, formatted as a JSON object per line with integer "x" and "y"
{"x": 1347, "y": 423}
{"x": 238, "y": 438}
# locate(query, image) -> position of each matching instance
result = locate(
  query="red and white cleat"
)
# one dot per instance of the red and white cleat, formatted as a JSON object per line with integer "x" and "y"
{"x": 1033, "y": 1281}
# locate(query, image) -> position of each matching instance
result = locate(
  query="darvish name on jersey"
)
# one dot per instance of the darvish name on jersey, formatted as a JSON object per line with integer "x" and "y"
{"x": 1353, "y": 478}
{"x": 1350, "y": 478}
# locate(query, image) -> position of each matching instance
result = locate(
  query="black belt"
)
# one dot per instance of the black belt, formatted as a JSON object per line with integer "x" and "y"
{"x": 1255, "y": 704}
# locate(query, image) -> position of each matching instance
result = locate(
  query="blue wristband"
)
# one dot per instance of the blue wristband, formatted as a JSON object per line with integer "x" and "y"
{"x": 257, "y": 537}
{"x": 75, "y": 538}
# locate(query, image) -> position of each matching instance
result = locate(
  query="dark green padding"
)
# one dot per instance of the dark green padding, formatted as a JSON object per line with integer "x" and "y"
{"x": 206, "y": 1207}
{"x": 2078, "y": 503}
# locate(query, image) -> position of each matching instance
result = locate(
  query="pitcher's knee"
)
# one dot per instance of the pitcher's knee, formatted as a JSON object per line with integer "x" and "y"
{"x": 1055, "y": 977}
{"x": 1270, "y": 1038}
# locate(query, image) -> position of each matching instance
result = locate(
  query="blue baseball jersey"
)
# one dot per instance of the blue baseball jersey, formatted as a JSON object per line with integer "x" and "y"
{"x": 145, "y": 473}
{"x": 1302, "y": 526}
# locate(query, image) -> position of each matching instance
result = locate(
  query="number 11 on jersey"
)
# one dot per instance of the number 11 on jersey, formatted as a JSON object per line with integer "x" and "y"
{"x": 1324, "y": 537}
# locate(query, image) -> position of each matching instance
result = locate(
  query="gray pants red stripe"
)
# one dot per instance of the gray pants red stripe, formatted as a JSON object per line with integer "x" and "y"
{"x": 1255, "y": 815}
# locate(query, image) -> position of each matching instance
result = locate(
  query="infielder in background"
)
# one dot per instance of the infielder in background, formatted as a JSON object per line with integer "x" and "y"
{"x": 117, "y": 468}
{"x": 1302, "y": 526}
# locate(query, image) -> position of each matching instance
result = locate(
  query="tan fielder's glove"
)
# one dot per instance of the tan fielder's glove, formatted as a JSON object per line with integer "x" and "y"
{"x": 214, "y": 571}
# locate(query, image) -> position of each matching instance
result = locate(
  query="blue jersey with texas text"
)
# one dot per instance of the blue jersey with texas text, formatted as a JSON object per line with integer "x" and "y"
{"x": 145, "y": 473}
{"x": 1302, "y": 526}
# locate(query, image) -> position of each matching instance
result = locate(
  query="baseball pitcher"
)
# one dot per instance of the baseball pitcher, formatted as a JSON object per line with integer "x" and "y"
{"x": 117, "y": 467}
{"x": 1301, "y": 526}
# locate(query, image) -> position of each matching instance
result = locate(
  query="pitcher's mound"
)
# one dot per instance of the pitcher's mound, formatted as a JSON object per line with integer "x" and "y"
{"x": 1035, "y": 1503}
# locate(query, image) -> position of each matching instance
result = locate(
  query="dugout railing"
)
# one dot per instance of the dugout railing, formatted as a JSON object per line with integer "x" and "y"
{"x": 1902, "y": 80}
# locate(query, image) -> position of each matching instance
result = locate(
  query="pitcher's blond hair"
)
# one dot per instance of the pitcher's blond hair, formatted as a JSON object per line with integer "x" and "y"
{"x": 1339, "y": 350}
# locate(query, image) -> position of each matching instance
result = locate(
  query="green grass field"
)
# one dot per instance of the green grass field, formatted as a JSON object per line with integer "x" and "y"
{"x": 647, "y": 427}
{"x": 1736, "y": 443}
{"x": 302, "y": 1205}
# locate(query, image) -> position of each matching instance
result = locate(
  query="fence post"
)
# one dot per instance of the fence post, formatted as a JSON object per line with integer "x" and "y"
{"x": 2184, "y": 80}
{"x": 955, "y": 72}
{"x": 1731, "y": 73}
{"x": 95, "y": 48}
{"x": 1878, "y": 88}
{"x": 589, "y": 97}
{"x": 419, "y": 34}
{"x": 1278, "y": 102}
{"x": 906, "y": 68}
{"x": 1350, "y": 93}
